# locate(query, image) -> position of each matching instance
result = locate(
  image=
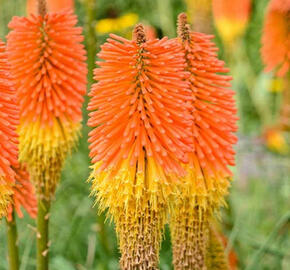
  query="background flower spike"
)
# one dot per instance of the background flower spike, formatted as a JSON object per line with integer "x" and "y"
{"x": 23, "y": 195}
{"x": 48, "y": 66}
{"x": 9, "y": 112}
{"x": 141, "y": 130}
{"x": 202, "y": 190}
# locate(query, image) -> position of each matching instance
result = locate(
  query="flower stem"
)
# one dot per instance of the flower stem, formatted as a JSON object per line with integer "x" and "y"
{"x": 12, "y": 244}
{"x": 42, "y": 234}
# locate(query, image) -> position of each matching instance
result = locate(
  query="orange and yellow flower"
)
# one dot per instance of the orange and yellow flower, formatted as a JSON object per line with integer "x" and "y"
{"x": 141, "y": 132}
{"x": 49, "y": 70}
{"x": 9, "y": 119}
{"x": 202, "y": 190}
{"x": 23, "y": 195}
{"x": 231, "y": 18}
{"x": 276, "y": 141}
{"x": 52, "y": 6}
{"x": 276, "y": 37}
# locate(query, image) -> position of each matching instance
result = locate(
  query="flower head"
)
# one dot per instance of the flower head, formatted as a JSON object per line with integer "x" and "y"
{"x": 231, "y": 17}
{"x": 276, "y": 141}
{"x": 141, "y": 132}
{"x": 23, "y": 195}
{"x": 214, "y": 119}
{"x": 48, "y": 64}
{"x": 119, "y": 24}
{"x": 203, "y": 188}
{"x": 9, "y": 119}
{"x": 52, "y": 5}
{"x": 276, "y": 37}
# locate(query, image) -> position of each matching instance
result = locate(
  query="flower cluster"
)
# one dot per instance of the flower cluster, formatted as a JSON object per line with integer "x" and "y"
{"x": 141, "y": 133}
{"x": 276, "y": 37}
{"x": 48, "y": 65}
{"x": 9, "y": 119}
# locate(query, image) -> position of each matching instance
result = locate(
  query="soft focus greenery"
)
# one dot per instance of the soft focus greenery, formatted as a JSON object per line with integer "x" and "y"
{"x": 257, "y": 221}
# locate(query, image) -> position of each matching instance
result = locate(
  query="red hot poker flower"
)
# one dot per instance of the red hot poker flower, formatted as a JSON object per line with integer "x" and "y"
{"x": 48, "y": 65}
{"x": 231, "y": 18}
{"x": 141, "y": 133}
{"x": 214, "y": 121}
{"x": 9, "y": 113}
{"x": 276, "y": 37}
{"x": 23, "y": 195}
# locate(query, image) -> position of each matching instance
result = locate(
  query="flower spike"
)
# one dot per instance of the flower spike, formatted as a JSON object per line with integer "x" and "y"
{"x": 9, "y": 119}
{"x": 276, "y": 37}
{"x": 23, "y": 195}
{"x": 202, "y": 190}
{"x": 49, "y": 70}
{"x": 231, "y": 18}
{"x": 141, "y": 133}
{"x": 48, "y": 64}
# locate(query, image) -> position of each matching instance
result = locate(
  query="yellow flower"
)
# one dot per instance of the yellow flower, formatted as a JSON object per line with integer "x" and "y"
{"x": 276, "y": 142}
{"x": 120, "y": 24}
{"x": 277, "y": 85}
{"x": 230, "y": 29}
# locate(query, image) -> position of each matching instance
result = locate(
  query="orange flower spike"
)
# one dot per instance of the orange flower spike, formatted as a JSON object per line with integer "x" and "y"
{"x": 9, "y": 112}
{"x": 276, "y": 37}
{"x": 141, "y": 132}
{"x": 202, "y": 190}
{"x": 231, "y": 18}
{"x": 52, "y": 6}
{"x": 48, "y": 64}
{"x": 23, "y": 195}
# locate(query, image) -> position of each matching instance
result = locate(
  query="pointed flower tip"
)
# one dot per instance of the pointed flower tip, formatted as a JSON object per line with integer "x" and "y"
{"x": 42, "y": 7}
{"x": 183, "y": 28}
{"x": 139, "y": 34}
{"x": 182, "y": 17}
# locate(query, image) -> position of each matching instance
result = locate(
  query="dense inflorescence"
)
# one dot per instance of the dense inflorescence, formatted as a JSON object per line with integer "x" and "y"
{"x": 48, "y": 65}
{"x": 141, "y": 133}
{"x": 276, "y": 37}
{"x": 9, "y": 119}
{"x": 206, "y": 183}
{"x": 214, "y": 122}
{"x": 23, "y": 195}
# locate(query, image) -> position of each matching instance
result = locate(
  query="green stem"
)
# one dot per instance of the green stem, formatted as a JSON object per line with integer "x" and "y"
{"x": 91, "y": 39}
{"x": 42, "y": 234}
{"x": 12, "y": 239}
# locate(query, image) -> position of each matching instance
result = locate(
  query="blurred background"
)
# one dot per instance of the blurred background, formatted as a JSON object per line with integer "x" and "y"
{"x": 256, "y": 223}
